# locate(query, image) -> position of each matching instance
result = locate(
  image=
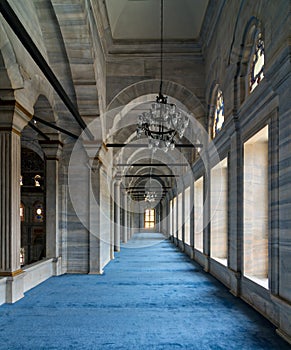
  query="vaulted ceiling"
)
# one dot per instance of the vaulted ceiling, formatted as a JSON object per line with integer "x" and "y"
{"x": 73, "y": 33}
{"x": 140, "y": 19}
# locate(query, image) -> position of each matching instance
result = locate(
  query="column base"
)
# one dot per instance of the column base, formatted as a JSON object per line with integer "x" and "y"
{"x": 206, "y": 263}
{"x": 284, "y": 335}
{"x": 96, "y": 272}
{"x": 57, "y": 266}
{"x": 235, "y": 282}
{"x": 284, "y": 329}
{"x": 14, "y": 287}
{"x": 116, "y": 248}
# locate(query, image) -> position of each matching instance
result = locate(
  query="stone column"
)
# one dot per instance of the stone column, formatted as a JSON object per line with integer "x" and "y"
{"x": 125, "y": 217}
{"x": 235, "y": 239}
{"x": 183, "y": 217}
{"x": 192, "y": 218}
{"x": 111, "y": 220}
{"x": 206, "y": 217}
{"x": 117, "y": 214}
{"x": 52, "y": 150}
{"x": 94, "y": 215}
{"x": 129, "y": 217}
{"x": 95, "y": 265}
{"x": 123, "y": 214}
{"x": 13, "y": 118}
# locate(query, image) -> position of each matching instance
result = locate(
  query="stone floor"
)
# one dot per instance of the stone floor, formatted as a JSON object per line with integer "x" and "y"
{"x": 150, "y": 297}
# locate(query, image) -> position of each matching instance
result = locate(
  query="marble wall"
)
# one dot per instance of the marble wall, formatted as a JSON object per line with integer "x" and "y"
{"x": 93, "y": 78}
{"x": 187, "y": 216}
{"x": 258, "y": 181}
{"x": 256, "y": 206}
{"x": 219, "y": 211}
{"x": 105, "y": 228}
{"x": 198, "y": 214}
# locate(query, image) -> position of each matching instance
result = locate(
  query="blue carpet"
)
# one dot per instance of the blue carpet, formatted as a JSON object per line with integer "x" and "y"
{"x": 148, "y": 298}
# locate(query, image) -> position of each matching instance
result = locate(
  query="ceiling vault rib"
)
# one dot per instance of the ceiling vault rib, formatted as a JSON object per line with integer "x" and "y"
{"x": 19, "y": 30}
{"x": 55, "y": 127}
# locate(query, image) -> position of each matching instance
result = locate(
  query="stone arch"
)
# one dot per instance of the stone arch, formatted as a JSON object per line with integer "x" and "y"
{"x": 149, "y": 87}
{"x": 211, "y": 106}
{"x": 38, "y": 87}
{"x": 246, "y": 44}
{"x": 42, "y": 109}
{"x": 116, "y": 119}
{"x": 10, "y": 75}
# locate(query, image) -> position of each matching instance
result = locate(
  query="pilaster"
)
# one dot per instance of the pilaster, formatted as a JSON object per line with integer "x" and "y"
{"x": 235, "y": 240}
{"x": 52, "y": 150}
{"x": 94, "y": 217}
{"x": 117, "y": 213}
{"x": 13, "y": 118}
{"x": 125, "y": 217}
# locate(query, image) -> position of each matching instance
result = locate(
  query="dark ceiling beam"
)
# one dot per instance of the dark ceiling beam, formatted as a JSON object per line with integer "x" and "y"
{"x": 143, "y": 198}
{"x": 55, "y": 127}
{"x": 143, "y": 191}
{"x": 136, "y": 145}
{"x": 120, "y": 145}
{"x": 141, "y": 187}
{"x": 31, "y": 124}
{"x": 153, "y": 165}
{"x": 20, "y": 31}
{"x": 151, "y": 175}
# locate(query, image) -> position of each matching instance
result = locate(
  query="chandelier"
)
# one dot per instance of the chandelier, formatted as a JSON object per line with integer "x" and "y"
{"x": 164, "y": 122}
{"x": 150, "y": 197}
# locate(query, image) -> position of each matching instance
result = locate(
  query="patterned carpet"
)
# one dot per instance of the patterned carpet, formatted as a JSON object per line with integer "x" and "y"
{"x": 150, "y": 297}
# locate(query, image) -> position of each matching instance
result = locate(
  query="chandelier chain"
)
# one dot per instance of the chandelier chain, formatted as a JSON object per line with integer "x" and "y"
{"x": 162, "y": 45}
{"x": 164, "y": 122}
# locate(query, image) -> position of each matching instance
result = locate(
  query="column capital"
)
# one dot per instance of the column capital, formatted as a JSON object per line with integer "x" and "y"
{"x": 14, "y": 117}
{"x": 52, "y": 149}
{"x": 95, "y": 164}
{"x": 117, "y": 178}
{"x": 92, "y": 148}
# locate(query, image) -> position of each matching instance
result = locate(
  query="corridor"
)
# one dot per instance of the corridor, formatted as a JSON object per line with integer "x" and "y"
{"x": 150, "y": 297}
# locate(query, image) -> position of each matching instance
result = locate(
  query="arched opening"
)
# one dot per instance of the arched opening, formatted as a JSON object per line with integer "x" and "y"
{"x": 32, "y": 209}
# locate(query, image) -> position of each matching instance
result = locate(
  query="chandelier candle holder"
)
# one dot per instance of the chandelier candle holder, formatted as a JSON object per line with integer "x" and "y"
{"x": 150, "y": 197}
{"x": 164, "y": 122}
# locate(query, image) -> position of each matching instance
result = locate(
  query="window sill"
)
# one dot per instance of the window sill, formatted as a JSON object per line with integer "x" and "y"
{"x": 262, "y": 281}
{"x": 222, "y": 261}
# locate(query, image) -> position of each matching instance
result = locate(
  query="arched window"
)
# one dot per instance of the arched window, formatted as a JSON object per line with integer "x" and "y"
{"x": 218, "y": 118}
{"x": 257, "y": 64}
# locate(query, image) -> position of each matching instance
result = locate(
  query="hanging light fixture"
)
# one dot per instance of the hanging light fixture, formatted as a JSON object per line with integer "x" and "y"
{"x": 150, "y": 196}
{"x": 164, "y": 122}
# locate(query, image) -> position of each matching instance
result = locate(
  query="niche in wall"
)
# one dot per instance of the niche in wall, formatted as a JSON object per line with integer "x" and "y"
{"x": 187, "y": 216}
{"x": 255, "y": 207}
{"x": 218, "y": 212}
{"x": 198, "y": 214}
{"x": 180, "y": 215}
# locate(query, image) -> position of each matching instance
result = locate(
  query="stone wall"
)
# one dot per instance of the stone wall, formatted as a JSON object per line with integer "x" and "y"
{"x": 228, "y": 43}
